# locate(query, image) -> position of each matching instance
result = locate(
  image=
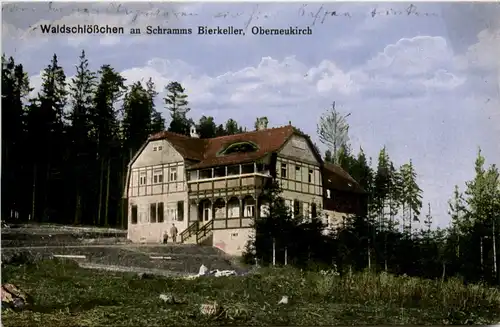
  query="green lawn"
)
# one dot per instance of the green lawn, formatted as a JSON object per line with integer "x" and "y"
{"x": 66, "y": 295}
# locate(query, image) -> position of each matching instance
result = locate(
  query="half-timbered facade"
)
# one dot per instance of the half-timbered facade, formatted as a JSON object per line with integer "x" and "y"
{"x": 211, "y": 188}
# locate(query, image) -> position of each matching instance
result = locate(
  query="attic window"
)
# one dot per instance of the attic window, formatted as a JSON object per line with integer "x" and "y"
{"x": 240, "y": 147}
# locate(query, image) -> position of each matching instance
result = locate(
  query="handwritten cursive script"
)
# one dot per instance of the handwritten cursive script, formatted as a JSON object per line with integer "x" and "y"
{"x": 314, "y": 15}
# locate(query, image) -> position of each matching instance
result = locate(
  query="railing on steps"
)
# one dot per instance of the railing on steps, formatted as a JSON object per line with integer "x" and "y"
{"x": 190, "y": 231}
{"x": 204, "y": 231}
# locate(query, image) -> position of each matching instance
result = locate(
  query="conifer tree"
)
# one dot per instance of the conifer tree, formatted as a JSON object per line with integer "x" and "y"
{"x": 177, "y": 103}
{"x": 15, "y": 89}
{"x": 46, "y": 128}
{"x": 105, "y": 132}
{"x": 80, "y": 95}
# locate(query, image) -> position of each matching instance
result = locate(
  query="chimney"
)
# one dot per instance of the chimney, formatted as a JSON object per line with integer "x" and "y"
{"x": 261, "y": 123}
{"x": 192, "y": 132}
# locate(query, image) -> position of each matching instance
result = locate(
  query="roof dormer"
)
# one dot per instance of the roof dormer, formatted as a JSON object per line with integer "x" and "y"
{"x": 239, "y": 147}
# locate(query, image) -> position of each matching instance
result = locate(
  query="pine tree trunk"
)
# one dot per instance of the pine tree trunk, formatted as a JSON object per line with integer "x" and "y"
{"x": 106, "y": 208}
{"x": 46, "y": 193}
{"x": 495, "y": 267}
{"x": 444, "y": 272}
{"x": 78, "y": 207}
{"x": 101, "y": 186}
{"x": 33, "y": 200}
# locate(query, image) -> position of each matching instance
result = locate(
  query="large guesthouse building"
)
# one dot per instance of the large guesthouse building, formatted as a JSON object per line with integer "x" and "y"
{"x": 211, "y": 188}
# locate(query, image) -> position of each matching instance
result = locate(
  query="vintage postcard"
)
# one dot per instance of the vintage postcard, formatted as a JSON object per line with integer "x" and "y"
{"x": 250, "y": 163}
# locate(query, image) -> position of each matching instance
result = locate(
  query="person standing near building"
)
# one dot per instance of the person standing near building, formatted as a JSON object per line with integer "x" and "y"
{"x": 173, "y": 233}
{"x": 165, "y": 237}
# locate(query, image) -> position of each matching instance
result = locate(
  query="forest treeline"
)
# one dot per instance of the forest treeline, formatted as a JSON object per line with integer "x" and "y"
{"x": 65, "y": 153}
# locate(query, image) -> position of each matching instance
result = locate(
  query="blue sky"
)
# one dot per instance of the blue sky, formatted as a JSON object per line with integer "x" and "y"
{"x": 425, "y": 84}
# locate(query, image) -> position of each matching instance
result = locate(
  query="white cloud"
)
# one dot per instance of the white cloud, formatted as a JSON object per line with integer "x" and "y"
{"x": 410, "y": 66}
{"x": 485, "y": 53}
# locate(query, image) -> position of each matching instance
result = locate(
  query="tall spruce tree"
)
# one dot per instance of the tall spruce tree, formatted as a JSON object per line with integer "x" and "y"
{"x": 15, "y": 89}
{"x": 46, "y": 128}
{"x": 177, "y": 103}
{"x": 157, "y": 120}
{"x": 137, "y": 118}
{"x": 80, "y": 95}
{"x": 412, "y": 196}
{"x": 105, "y": 132}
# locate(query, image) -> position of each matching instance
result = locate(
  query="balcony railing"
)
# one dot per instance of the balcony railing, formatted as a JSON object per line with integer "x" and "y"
{"x": 225, "y": 172}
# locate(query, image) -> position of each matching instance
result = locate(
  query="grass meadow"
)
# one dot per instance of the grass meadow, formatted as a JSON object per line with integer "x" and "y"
{"x": 64, "y": 294}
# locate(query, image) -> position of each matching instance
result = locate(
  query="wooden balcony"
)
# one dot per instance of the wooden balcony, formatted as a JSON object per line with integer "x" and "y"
{"x": 226, "y": 181}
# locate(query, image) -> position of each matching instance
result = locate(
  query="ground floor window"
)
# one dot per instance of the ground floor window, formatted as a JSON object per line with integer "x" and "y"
{"x": 134, "y": 214}
{"x": 160, "y": 209}
{"x": 206, "y": 211}
{"x": 249, "y": 210}
{"x": 152, "y": 213}
{"x": 314, "y": 210}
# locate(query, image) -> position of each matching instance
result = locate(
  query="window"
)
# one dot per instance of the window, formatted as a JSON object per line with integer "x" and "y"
{"x": 206, "y": 211}
{"x": 310, "y": 176}
{"x": 142, "y": 178}
{"x": 160, "y": 212}
{"x": 296, "y": 208}
{"x": 283, "y": 170}
{"x": 158, "y": 176}
{"x": 314, "y": 210}
{"x": 172, "y": 213}
{"x": 298, "y": 172}
{"x": 160, "y": 148}
{"x": 173, "y": 174}
{"x": 305, "y": 210}
{"x": 180, "y": 210}
{"x": 155, "y": 148}
{"x": 134, "y": 214}
{"x": 289, "y": 204}
{"x": 264, "y": 210}
{"x": 152, "y": 213}
{"x": 250, "y": 210}
{"x": 328, "y": 194}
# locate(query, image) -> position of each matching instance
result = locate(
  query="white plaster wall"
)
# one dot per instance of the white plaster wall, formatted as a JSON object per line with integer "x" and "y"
{"x": 144, "y": 230}
{"x": 149, "y": 161}
{"x": 334, "y": 219}
{"x": 232, "y": 241}
{"x": 148, "y": 157}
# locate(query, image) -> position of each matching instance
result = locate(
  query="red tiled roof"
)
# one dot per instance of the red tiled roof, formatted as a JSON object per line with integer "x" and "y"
{"x": 206, "y": 151}
{"x": 188, "y": 147}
